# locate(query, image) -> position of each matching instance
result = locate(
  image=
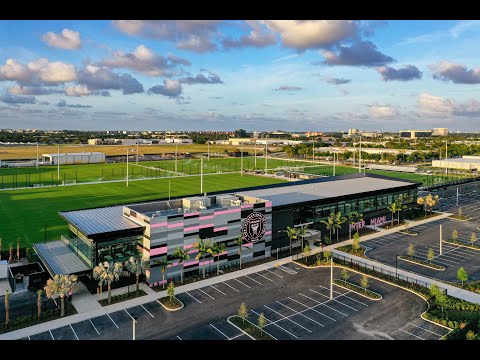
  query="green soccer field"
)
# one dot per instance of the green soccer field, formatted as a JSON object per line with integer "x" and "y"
{"x": 48, "y": 175}
{"x": 25, "y": 212}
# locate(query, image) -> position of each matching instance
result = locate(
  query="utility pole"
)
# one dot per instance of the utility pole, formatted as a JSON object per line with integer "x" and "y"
{"x": 354, "y": 154}
{"x": 137, "y": 151}
{"x": 37, "y": 155}
{"x": 313, "y": 152}
{"x": 266, "y": 149}
{"x": 334, "y": 164}
{"x": 331, "y": 278}
{"x": 58, "y": 162}
{"x": 255, "y": 154}
{"x": 360, "y": 156}
{"x": 127, "y": 166}
{"x": 440, "y": 239}
{"x": 201, "y": 175}
{"x": 446, "y": 157}
{"x": 208, "y": 151}
{"x": 176, "y": 150}
{"x": 241, "y": 161}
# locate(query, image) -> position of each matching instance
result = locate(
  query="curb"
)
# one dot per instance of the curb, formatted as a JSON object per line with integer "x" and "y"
{"x": 359, "y": 293}
{"x": 243, "y": 331}
{"x": 168, "y": 309}
{"x": 424, "y": 265}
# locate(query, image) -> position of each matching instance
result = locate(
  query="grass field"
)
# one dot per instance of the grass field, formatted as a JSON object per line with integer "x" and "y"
{"x": 47, "y": 175}
{"x": 24, "y": 213}
{"x": 30, "y": 152}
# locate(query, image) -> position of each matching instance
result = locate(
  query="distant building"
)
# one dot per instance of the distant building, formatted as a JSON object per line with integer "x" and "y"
{"x": 240, "y": 133}
{"x": 179, "y": 140}
{"x": 471, "y": 163}
{"x": 313, "y": 133}
{"x": 74, "y": 158}
{"x": 353, "y": 131}
{"x": 413, "y": 134}
{"x": 440, "y": 132}
{"x": 102, "y": 141}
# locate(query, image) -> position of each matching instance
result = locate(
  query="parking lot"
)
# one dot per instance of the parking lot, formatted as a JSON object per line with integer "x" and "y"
{"x": 294, "y": 300}
{"x": 386, "y": 248}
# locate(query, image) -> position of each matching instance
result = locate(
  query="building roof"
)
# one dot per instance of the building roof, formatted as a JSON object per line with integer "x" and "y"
{"x": 74, "y": 154}
{"x": 318, "y": 190}
{"x": 100, "y": 220}
{"x": 59, "y": 258}
{"x": 473, "y": 160}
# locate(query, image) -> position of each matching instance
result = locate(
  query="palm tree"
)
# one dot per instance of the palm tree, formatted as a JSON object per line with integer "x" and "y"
{"x": 10, "y": 253}
{"x": 239, "y": 241}
{"x": 339, "y": 220}
{"x": 400, "y": 209}
{"x": 292, "y": 233}
{"x": 393, "y": 207}
{"x": 216, "y": 250}
{"x": 39, "y": 303}
{"x": 302, "y": 231}
{"x": 18, "y": 249}
{"x": 329, "y": 224}
{"x": 181, "y": 254}
{"x": 163, "y": 263}
{"x": 7, "y": 308}
{"x": 137, "y": 267}
{"x": 202, "y": 245}
{"x": 107, "y": 273}
{"x": 60, "y": 286}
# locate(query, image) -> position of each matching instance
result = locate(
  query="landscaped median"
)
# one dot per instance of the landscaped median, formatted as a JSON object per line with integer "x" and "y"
{"x": 421, "y": 262}
{"x": 372, "y": 295}
{"x": 469, "y": 246}
{"x": 459, "y": 217}
{"x": 171, "y": 304}
{"x": 252, "y": 330}
{"x": 122, "y": 297}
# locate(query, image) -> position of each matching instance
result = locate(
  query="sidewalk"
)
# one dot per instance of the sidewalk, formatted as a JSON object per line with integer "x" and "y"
{"x": 91, "y": 310}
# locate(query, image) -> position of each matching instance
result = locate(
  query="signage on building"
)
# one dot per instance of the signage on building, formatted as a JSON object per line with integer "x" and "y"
{"x": 378, "y": 221}
{"x": 254, "y": 227}
{"x": 358, "y": 225}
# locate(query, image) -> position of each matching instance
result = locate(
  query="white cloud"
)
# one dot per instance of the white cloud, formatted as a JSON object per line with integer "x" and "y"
{"x": 170, "y": 88}
{"x": 78, "y": 90}
{"x": 431, "y": 104}
{"x": 54, "y": 72}
{"x": 457, "y": 73}
{"x": 382, "y": 111}
{"x": 67, "y": 39}
{"x": 13, "y": 70}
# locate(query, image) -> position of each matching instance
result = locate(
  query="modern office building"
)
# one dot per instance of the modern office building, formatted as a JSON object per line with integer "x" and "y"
{"x": 74, "y": 158}
{"x": 155, "y": 229}
{"x": 440, "y": 132}
{"x": 413, "y": 134}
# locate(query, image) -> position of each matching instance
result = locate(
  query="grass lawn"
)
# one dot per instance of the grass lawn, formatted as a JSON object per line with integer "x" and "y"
{"x": 24, "y": 213}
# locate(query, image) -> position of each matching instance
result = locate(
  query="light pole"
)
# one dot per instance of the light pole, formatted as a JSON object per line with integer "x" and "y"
{"x": 331, "y": 278}
{"x": 360, "y": 156}
{"x": 440, "y": 239}
{"x": 58, "y": 162}
{"x": 241, "y": 161}
{"x": 313, "y": 152}
{"x": 176, "y": 151}
{"x": 334, "y": 164}
{"x": 37, "y": 155}
{"x": 208, "y": 151}
{"x": 201, "y": 175}
{"x": 446, "y": 157}
{"x": 266, "y": 149}
{"x": 396, "y": 266}
{"x": 255, "y": 154}
{"x": 134, "y": 320}
{"x": 127, "y": 166}
{"x": 137, "y": 151}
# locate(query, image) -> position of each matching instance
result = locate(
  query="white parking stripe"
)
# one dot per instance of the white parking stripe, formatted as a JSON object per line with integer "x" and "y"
{"x": 51, "y": 335}
{"x": 74, "y": 333}
{"x": 318, "y": 312}
{"x": 258, "y": 282}
{"x": 94, "y": 326}
{"x": 29, "y": 338}
{"x": 336, "y": 299}
{"x": 425, "y": 329}
{"x": 220, "y": 332}
{"x": 287, "y": 318}
{"x": 348, "y": 297}
{"x": 264, "y": 277}
{"x": 242, "y": 283}
{"x": 113, "y": 321}
{"x": 299, "y": 313}
{"x": 274, "y": 323}
{"x": 274, "y": 273}
{"x": 147, "y": 311}
{"x": 179, "y": 338}
{"x": 221, "y": 292}
{"x": 131, "y": 317}
{"x": 224, "y": 283}
{"x": 206, "y": 294}
{"x": 287, "y": 270}
{"x": 412, "y": 334}
{"x": 193, "y": 297}
{"x": 324, "y": 304}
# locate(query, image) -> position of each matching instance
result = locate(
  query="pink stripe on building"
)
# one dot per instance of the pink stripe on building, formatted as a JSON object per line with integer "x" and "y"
{"x": 191, "y": 214}
{"x": 247, "y": 206}
{"x": 248, "y": 244}
{"x": 268, "y": 204}
{"x": 269, "y": 232}
{"x": 208, "y": 217}
{"x": 192, "y": 251}
{"x": 159, "y": 224}
{"x": 190, "y": 263}
{"x": 231, "y": 211}
{"x": 221, "y": 228}
{"x": 158, "y": 251}
{"x": 206, "y": 262}
{"x": 192, "y": 228}
{"x": 175, "y": 225}
{"x": 188, "y": 246}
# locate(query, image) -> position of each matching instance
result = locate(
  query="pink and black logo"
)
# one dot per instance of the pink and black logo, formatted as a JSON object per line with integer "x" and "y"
{"x": 254, "y": 227}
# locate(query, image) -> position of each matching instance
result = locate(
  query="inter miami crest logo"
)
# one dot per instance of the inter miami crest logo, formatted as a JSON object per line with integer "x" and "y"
{"x": 254, "y": 227}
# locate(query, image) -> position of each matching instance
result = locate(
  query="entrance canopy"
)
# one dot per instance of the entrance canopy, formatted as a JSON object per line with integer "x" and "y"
{"x": 59, "y": 259}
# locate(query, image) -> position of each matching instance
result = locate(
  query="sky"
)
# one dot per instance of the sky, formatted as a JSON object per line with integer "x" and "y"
{"x": 292, "y": 75}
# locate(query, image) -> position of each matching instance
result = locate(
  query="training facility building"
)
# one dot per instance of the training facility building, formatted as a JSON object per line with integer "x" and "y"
{"x": 259, "y": 215}
{"x": 74, "y": 158}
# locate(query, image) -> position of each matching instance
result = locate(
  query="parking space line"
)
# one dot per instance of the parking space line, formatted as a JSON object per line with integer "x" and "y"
{"x": 288, "y": 318}
{"x": 130, "y": 315}
{"x": 230, "y": 286}
{"x": 287, "y": 270}
{"x": 220, "y": 332}
{"x": 274, "y": 323}
{"x": 94, "y": 327}
{"x": 258, "y": 282}
{"x": 206, "y": 294}
{"x": 147, "y": 311}
{"x": 179, "y": 338}
{"x": 310, "y": 308}
{"x": 343, "y": 294}
{"x": 236, "y": 336}
{"x": 299, "y": 313}
{"x": 193, "y": 297}
{"x": 113, "y": 321}
{"x": 320, "y": 303}
{"x": 74, "y": 333}
{"x": 221, "y": 292}
{"x": 51, "y": 335}
{"x": 280, "y": 276}
{"x": 425, "y": 329}
{"x": 411, "y": 334}
{"x": 242, "y": 283}
{"x": 264, "y": 277}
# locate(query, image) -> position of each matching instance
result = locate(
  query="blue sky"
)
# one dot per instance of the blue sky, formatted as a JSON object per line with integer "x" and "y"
{"x": 222, "y": 75}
